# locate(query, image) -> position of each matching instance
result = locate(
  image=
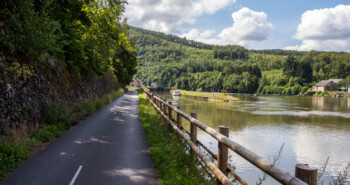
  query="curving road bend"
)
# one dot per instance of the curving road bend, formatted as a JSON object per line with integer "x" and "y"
{"x": 107, "y": 148}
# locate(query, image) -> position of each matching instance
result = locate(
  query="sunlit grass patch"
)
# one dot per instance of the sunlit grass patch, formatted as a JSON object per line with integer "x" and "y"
{"x": 173, "y": 162}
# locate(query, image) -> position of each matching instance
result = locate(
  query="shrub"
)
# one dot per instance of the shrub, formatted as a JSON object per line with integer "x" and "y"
{"x": 295, "y": 89}
{"x": 53, "y": 114}
{"x": 11, "y": 156}
{"x": 304, "y": 90}
{"x": 199, "y": 90}
{"x": 287, "y": 91}
{"x": 46, "y": 133}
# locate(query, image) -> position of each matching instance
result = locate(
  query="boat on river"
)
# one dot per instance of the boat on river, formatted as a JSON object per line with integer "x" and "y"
{"x": 176, "y": 93}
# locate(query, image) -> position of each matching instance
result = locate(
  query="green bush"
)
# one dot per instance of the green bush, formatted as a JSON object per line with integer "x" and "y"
{"x": 54, "y": 114}
{"x": 304, "y": 90}
{"x": 11, "y": 155}
{"x": 87, "y": 109}
{"x": 32, "y": 142}
{"x": 47, "y": 133}
{"x": 98, "y": 105}
{"x": 322, "y": 93}
{"x": 199, "y": 90}
{"x": 287, "y": 91}
{"x": 295, "y": 89}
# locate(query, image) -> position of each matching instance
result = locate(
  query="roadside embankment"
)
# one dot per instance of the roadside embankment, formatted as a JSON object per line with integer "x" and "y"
{"x": 171, "y": 158}
{"x": 20, "y": 142}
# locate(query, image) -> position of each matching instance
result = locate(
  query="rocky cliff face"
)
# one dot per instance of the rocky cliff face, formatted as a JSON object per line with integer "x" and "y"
{"x": 25, "y": 91}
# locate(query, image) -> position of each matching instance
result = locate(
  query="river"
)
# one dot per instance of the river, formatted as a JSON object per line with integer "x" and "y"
{"x": 311, "y": 129}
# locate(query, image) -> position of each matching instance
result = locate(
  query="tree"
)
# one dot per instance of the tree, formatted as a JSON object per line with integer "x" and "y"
{"x": 305, "y": 69}
{"x": 290, "y": 66}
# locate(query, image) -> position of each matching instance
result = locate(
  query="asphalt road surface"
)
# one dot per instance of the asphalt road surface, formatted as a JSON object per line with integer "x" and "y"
{"x": 107, "y": 148}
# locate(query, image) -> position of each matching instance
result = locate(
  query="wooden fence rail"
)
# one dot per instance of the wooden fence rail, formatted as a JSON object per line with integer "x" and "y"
{"x": 220, "y": 171}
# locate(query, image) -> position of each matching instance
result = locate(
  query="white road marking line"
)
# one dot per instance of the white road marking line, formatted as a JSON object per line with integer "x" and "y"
{"x": 76, "y": 175}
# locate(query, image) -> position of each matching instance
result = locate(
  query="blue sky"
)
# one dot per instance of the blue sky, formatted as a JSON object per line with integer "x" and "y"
{"x": 255, "y": 24}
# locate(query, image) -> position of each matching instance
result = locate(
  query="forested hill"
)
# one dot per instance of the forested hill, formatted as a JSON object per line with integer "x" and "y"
{"x": 186, "y": 64}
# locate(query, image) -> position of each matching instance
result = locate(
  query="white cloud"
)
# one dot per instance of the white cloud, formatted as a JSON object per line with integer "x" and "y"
{"x": 324, "y": 29}
{"x": 248, "y": 27}
{"x": 205, "y": 37}
{"x": 166, "y": 15}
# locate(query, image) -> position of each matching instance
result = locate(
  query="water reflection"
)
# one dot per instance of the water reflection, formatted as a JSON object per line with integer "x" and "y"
{"x": 176, "y": 100}
{"x": 311, "y": 129}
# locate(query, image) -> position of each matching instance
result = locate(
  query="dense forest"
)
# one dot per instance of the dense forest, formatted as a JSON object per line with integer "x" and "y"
{"x": 185, "y": 64}
{"x": 86, "y": 37}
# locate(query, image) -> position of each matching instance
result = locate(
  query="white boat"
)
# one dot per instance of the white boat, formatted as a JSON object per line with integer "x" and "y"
{"x": 176, "y": 93}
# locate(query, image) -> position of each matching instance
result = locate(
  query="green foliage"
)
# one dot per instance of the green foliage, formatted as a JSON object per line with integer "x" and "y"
{"x": 89, "y": 37}
{"x": 88, "y": 109}
{"x": 11, "y": 155}
{"x": 171, "y": 158}
{"x": 241, "y": 83}
{"x": 189, "y": 65}
{"x": 54, "y": 114}
{"x": 46, "y": 133}
{"x": 290, "y": 66}
{"x": 322, "y": 93}
{"x": 29, "y": 32}
{"x": 304, "y": 90}
{"x": 229, "y": 52}
{"x": 215, "y": 96}
{"x": 32, "y": 142}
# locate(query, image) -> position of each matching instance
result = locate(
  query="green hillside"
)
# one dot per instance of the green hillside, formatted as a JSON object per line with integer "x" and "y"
{"x": 190, "y": 65}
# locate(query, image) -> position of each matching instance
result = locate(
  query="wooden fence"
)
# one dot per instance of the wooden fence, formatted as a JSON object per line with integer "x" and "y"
{"x": 303, "y": 173}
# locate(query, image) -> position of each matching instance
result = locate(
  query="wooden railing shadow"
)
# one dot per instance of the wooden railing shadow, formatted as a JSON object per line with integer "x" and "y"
{"x": 303, "y": 173}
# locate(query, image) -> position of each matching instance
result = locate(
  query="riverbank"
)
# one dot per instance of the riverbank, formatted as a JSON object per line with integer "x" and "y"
{"x": 332, "y": 94}
{"x": 207, "y": 96}
{"x": 173, "y": 162}
{"x": 19, "y": 144}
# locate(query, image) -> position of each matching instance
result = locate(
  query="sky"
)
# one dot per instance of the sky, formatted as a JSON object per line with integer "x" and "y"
{"x": 255, "y": 24}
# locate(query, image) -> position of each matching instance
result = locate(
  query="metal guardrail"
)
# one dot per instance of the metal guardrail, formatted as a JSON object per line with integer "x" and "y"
{"x": 165, "y": 109}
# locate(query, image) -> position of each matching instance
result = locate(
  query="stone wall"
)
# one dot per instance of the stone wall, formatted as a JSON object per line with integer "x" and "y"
{"x": 25, "y": 91}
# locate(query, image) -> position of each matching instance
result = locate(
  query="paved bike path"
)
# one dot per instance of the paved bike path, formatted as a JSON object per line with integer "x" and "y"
{"x": 107, "y": 148}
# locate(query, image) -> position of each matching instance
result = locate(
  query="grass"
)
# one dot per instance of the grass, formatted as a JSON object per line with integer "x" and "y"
{"x": 19, "y": 144}
{"x": 214, "y": 96}
{"x": 322, "y": 93}
{"x": 172, "y": 160}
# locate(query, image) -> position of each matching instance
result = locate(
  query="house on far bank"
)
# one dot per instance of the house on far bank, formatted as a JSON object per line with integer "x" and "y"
{"x": 326, "y": 85}
{"x": 154, "y": 84}
{"x": 136, "y": 83}
{"x": 336, "y": 80}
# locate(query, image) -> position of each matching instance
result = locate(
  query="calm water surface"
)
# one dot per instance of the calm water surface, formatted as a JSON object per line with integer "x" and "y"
{"x": 310, "y": 128}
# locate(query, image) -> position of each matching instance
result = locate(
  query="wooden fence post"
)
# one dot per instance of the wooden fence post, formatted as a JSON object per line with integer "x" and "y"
{"x": 194, "y": 129}
{"x": 161, "y": 106}
{"x": 223, "y": 151}
{"x": 164, "y": 107}
{"x": 306, "y": 173}
{"x": 158, "y": 104}
{"x": 178, "y": 118}
{"x": 169, "y": 111}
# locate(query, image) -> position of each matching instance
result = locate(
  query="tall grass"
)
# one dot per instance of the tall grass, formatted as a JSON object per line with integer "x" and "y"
{"x": 171, "y": 158}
